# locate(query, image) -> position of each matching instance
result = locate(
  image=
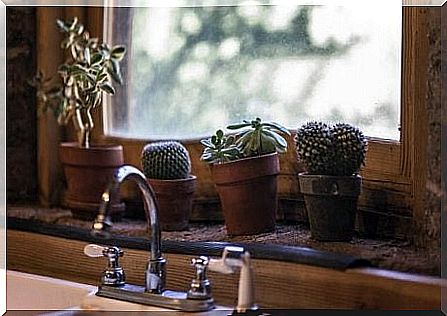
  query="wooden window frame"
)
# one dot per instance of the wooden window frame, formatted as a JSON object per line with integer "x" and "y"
{"x": 395, "y": 171}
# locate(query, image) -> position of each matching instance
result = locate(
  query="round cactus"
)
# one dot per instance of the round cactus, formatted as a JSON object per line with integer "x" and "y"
{"x": 166, "y": 160}
{"x": 313, "y": 147}
{"x": 337, "y": 150}
{"x": 349, "y": 147}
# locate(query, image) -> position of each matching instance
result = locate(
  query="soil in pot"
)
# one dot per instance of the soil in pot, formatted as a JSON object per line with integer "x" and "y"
{"x": 331, "y": 203}
{"x": 88, "y": 171}
{"x": 247, "y": 190}
{"x": 174, "y": 199}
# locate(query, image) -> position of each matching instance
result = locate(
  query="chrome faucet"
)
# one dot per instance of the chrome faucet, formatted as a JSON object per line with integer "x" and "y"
{"x": 156, "y": 267}
{"x": 113, "y": 285}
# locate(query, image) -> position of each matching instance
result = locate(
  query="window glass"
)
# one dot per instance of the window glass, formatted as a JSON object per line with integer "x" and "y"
{"x": 191, "y": 70}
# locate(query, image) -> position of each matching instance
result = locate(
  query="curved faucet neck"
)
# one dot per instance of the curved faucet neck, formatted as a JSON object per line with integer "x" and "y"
{"x": 103, "y": 222}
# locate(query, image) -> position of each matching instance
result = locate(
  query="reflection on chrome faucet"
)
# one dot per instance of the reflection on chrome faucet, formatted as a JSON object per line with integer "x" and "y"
{"x": 154, "y": 292}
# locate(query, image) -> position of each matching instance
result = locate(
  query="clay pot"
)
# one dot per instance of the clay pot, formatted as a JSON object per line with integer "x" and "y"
{"x": 331, "y": 203}
{"x": 174, "y": 199}
{"x": 88, "y": 172}
{"x": 247, "y": 190}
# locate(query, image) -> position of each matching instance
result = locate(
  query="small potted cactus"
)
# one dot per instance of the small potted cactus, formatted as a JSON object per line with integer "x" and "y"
{"x": 333, "y": 156}
{"x": 244, "y": 167}
{"x": 167, "y": 166}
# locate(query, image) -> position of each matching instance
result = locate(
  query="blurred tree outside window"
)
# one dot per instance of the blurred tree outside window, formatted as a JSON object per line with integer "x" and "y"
{"x": 191, "y": 70}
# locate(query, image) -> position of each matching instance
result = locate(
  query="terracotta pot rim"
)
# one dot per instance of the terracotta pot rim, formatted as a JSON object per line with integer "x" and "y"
{"x": 246, "y": 169}
{"x": 99, "y": 148}
{"x": 94, "y": 157}
{"x": 233, "y": 162}
{"x": 330, "y": 186}
{"x": 190, "y": 178}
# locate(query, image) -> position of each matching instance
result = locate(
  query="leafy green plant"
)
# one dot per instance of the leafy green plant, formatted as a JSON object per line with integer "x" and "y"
{"x": 90, "y": 70}
{"x": 219, "y": 148}
{"x": 337, "y": 150}
{"x": 260, "y": 138}
{"x": 256, "y": 139}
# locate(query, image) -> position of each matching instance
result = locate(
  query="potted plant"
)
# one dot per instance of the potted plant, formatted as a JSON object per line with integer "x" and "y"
{"x": 244, "y": 168}
{"x": 167, "y": 166}
{"x": 88, "y": 72}
{"x": 333, "y": 156}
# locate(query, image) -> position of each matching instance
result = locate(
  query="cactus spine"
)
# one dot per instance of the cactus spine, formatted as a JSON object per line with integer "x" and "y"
{"x": 166, "y": 160}
{"x": 337, "y": 150}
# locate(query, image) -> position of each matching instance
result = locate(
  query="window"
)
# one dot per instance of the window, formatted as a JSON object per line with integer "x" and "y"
{"x": 394, "y": 184}
{"x": 193, "y": 69}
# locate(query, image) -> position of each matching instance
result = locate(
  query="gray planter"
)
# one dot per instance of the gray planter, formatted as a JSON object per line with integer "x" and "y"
{"x": 331, "y": 204}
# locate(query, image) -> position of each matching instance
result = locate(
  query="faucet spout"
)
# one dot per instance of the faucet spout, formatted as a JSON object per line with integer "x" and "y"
{"x": 156, "y": 268}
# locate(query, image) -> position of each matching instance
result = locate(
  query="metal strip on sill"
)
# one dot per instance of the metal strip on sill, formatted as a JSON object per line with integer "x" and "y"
{"x": 294, "y": 254}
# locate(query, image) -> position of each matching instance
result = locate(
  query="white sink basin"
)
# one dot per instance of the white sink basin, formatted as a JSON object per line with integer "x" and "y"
{"x": 29, "y": 291}
{"x": 33, "y": 292}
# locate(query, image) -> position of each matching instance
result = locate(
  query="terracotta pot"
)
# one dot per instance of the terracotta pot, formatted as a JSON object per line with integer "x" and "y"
{"x": 247, "y": 190}
{"x": 174, "y": 199}
{"x": 88, "y": 172}
{"x": 331, "y": 203}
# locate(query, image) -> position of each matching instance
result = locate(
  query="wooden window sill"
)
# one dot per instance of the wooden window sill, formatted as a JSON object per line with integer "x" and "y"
{"x": 385, "y": 254}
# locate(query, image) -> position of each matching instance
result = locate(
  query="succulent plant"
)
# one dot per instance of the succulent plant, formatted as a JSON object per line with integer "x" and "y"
{"x": 166, "y": 160}
{"x": 219, "y": 148}
{"x": 337, "y": 150}
{"x": 260, "y": 137}
{"x": 256, "y": 139}
{"x": 90, "y": 70}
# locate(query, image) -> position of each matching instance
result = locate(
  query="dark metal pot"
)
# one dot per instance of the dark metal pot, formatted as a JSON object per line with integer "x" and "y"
{"x": 331, "y": 204}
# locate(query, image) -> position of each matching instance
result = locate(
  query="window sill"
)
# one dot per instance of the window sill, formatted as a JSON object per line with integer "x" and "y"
{"x": 283, "y": 244}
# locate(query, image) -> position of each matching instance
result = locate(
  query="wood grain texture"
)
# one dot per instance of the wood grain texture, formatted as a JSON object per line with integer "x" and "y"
{"x": 49, "y": 56}
{"x": 278, "y": 284}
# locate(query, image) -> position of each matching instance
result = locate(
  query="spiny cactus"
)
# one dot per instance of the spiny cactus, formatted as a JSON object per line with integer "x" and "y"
{"x": 337, "y": 150}
{"x": 166, "y": 160}
{"x": 314, "y": 147}
{"x": 349, "y": 147}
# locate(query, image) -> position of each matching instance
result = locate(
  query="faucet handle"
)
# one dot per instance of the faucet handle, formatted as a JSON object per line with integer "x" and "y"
{"x": 114, "y": 273}
{"x": 200, "y": 263}
{"x": 94, "y": 251}
{"x": 200, "y": 287}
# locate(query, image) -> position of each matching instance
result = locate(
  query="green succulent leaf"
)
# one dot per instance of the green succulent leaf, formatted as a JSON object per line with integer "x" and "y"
{"x": 220, "y": 134}
{"x": 106, "y": 87}
{"x": 238, "y": 126}
{"x": 118, "y": 52}
{"x": 206, "y": 143}
{"x": 278, "y": 139}
{"x": 76, "y": 69}
{"x": 73, "y": 24}
{"x": 96, "y": 59}
{"x": 61, "y": 25}
{"x": 277, "y": 127}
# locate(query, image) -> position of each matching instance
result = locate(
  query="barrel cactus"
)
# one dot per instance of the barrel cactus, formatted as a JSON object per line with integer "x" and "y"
{"x": 166, "y": 160}
{"x": 349, "y": 147}
{"x": 337, "y": 150}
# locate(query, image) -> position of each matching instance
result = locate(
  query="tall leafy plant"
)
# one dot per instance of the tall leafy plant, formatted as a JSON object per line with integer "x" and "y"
{"x": 89, "y": 71}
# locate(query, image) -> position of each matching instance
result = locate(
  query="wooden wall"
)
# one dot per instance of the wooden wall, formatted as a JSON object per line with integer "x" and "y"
{"x": 431, "y": 224}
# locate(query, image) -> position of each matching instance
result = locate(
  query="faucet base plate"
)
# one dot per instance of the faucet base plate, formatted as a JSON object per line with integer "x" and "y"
{"x": 169, "y": 299}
